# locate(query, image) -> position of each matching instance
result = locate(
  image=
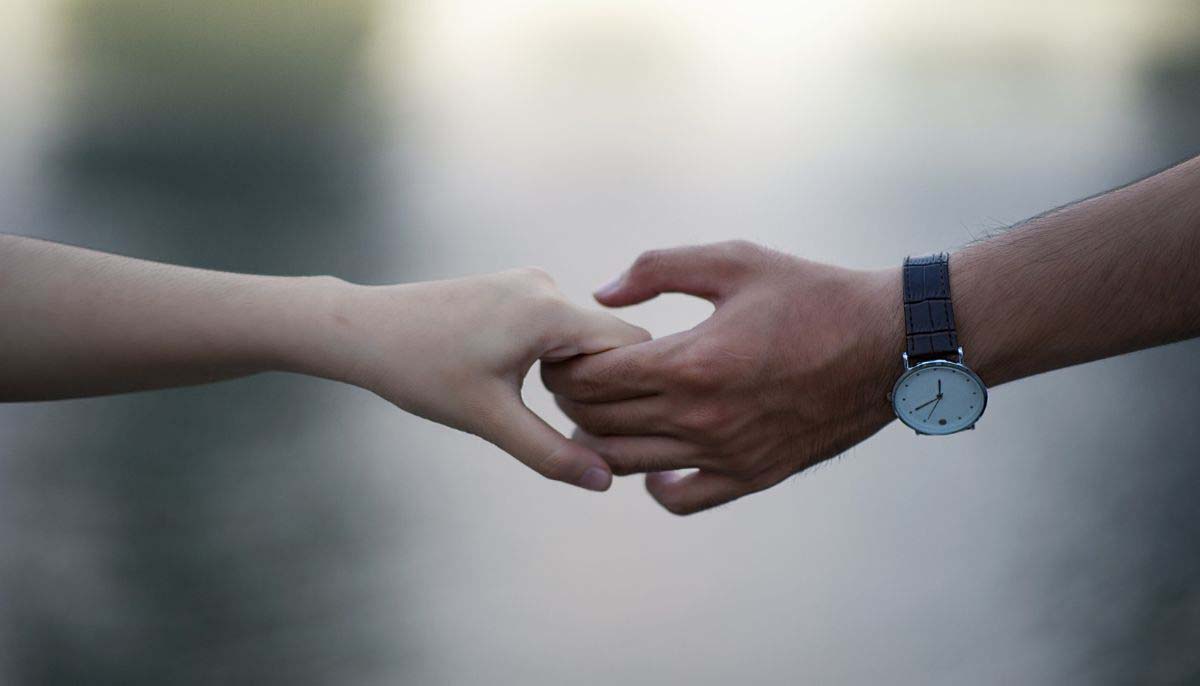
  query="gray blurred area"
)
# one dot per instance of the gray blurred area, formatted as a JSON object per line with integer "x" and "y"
{"x": 287, "y": 530}
{"x": 215, "y": 535}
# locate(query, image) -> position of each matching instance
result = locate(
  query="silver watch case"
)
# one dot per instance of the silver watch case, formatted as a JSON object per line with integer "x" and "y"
{"x": 910, "y": 369}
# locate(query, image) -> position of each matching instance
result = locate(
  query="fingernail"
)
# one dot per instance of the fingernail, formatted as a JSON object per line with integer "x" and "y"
{"x": 609, "y": 288}
{"x": 595, "y": 479}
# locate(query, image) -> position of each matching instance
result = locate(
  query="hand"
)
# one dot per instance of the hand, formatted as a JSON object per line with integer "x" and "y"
{"x": 457, "y": 352}
{"x": 793, "y": 367}
{"x": 453, "y": 351}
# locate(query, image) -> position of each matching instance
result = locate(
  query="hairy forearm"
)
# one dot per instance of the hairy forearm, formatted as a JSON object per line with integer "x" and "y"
{"x": 1112, "y": 274}
{"x": 79, "y": 323}
{"x": 796, "y": 362}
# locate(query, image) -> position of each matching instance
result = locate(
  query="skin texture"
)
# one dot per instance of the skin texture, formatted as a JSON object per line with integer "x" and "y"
{"x": 456, "y": 352}
{"x": 795, "y": 363}
{"x": 773, "y": 382}
{"x": 1115, "y": 273}
{"x": 792, "y": 367}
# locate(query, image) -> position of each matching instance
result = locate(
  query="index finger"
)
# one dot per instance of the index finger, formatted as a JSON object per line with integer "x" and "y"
{"x": 617, "y": 374}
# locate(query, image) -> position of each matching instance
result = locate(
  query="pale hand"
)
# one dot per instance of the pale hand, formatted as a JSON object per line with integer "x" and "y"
{"x": 457, "y": 352}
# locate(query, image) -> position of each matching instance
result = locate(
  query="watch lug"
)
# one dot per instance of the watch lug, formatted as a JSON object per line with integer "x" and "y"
{"x": 904, "y": 356}
{"x": 960, "y": 355}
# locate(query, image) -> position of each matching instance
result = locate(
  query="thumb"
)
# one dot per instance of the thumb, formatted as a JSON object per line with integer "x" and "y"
{"x": 516, "y": 430}
{"x": 705, "y": 271}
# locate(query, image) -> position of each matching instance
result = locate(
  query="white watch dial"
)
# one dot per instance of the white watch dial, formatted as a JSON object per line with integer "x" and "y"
{"x": 939, "y": 398}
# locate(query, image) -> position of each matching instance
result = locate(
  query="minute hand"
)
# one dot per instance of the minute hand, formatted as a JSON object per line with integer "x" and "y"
{"x": 927, "y": 404}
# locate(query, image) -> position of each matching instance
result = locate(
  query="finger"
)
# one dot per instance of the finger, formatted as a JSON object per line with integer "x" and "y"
{"x": 518, "y": 431}
{"x": 705, "y": 271}
{"x": 582, "y": 331}
{"x": 685, "y": 494}
{"x": 618, "y": 374}
{"x": 636, "y": 454}
{"x": 636, "y": 417}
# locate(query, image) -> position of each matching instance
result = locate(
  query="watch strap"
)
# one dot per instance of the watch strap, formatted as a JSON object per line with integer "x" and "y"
{"x": 928, "y": 314}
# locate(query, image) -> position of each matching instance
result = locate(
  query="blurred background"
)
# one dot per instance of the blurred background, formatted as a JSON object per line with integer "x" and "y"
{"x": 286, "y": 530}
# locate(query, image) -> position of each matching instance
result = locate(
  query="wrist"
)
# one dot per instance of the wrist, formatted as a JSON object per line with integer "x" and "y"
{"x": 988, "y": 350}
{"x": 880, "y": 304}
{"x": 853, "y": 325}
{"x": 312, "y": 324}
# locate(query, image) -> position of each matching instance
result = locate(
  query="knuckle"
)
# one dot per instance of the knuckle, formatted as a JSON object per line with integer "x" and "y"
{"x": 535, "y": 275}
{"x": 743, "y": 249}
{"x": 648, "y": 262}
{"x": 708, "y": 419}
{"x": 695, "y": 368}
{"x": 530, "y": 291}
{"x": 742, "y": 257}
{"x": 549, "y": 300}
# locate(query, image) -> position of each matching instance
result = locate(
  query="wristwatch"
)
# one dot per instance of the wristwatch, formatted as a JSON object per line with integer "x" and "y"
{"x": 937, "y": 394}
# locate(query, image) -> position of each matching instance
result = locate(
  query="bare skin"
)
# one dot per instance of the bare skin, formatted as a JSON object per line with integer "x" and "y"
{"x": 83, "y": 323}
{"x": 794, "y": 364}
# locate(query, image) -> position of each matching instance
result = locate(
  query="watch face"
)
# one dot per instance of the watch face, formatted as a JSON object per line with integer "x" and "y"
{"x": 939, "y": 397}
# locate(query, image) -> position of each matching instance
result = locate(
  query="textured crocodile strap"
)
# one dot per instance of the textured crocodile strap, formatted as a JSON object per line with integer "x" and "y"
{"x": 928, "y": 314}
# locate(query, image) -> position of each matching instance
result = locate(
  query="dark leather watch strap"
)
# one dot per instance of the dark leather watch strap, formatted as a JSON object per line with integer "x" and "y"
{"x": 928, "y": 314}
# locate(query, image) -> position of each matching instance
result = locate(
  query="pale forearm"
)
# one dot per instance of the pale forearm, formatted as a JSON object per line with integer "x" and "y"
{"x": 79, "y": 323}
{"x": 1113, "y": 274}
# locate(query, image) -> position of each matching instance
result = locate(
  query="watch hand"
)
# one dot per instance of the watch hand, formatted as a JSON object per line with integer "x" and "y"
{"x": 939, "y": 388}
{"x": 927, "y": 404}
{"x": 937, "y": 400}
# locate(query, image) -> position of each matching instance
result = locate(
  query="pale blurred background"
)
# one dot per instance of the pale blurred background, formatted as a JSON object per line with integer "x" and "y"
{"x": 287, "y": 530}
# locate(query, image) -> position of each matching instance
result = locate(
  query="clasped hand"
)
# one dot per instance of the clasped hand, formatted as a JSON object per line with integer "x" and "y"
{"x": 792, "y": 367}
{"x": 788, "y": 370}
